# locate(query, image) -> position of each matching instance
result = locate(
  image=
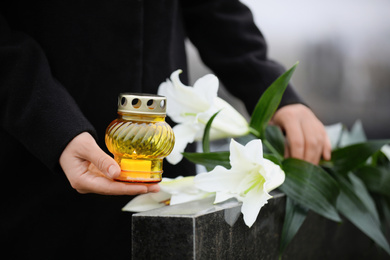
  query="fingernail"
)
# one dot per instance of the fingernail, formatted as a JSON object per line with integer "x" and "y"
{"x": 112, "y": 170}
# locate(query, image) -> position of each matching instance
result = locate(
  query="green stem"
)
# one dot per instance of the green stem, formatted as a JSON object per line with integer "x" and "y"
{"x": 254, "y": 132}
{"x": 266, "y": 143}
{"x": 273, "y": 150}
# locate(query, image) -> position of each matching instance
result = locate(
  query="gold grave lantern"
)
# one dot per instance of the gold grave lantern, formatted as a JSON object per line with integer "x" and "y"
{"x": 140, "y": 138}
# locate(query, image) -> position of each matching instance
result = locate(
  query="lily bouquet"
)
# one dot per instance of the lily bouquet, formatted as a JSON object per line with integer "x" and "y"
{"x": 354, "y": 184}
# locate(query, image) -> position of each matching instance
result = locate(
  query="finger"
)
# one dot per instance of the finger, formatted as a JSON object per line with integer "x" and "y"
{"x": 295, "y": 139}
{"x": 105, "y": 186}
{"x": 313, "y": 141}
{"x": 327, "y": 149}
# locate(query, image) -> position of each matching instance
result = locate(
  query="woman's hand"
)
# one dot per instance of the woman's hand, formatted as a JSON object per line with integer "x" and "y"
{"x": 90, "y": 170}
{"x": 306, "y": 135}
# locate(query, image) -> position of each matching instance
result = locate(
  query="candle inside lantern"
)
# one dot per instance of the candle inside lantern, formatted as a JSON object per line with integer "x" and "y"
{"x": 135, "y": 170}
{"x": 136, "y": 165}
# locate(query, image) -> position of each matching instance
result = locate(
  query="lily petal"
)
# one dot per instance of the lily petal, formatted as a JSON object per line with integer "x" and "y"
{"x": 198, "y": 98}
{"x": 206, "y": 89}
{"x": 182, "y": 99}
{"x": 175, "y": 108}
{"x": 184, "y": 134}
{"x": 146, "y": 202}
{"x": 275, "y": 176}
{"x": 253, "y": 151}
{"x": 251, "y": 205}
{"x": 179, "y": 184}
{"x": 222, "y": 196}
{"x": 219, "y": 179}
{"x": 176, "y": 191}
{"x": 236, "y": 154}
{"x": 186, "y": 197}
{"x": 182, "y": 189}
{"x": 244, "y": 157}
{"x": 229, "y": 122}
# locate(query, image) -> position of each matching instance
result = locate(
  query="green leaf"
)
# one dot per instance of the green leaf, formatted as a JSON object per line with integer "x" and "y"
{"x": 358, "y": 211}
{"x": 294, "y": 217}
{"x": 362, "y": 193}
{"x": 350, "y": 157}
{"x": 245, "y": 139}
{"x": 377, "y": 179}
{"x": 275, "y": 137}
{"x": 206, "y": 134}
{"x": 311, "y": 186}
{"x": 272, "y": 158}
{"x": 269, "y": 102}
{"x": 380, "y": 159}
{"x": 210, "y": 160}
{"x": 384, "y": 203}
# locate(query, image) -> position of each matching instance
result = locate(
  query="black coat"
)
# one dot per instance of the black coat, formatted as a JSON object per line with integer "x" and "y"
{"x": 62, "y": 66}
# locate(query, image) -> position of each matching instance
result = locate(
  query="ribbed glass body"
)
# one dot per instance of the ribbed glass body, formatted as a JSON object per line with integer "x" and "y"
{"x": 139, "y": 144}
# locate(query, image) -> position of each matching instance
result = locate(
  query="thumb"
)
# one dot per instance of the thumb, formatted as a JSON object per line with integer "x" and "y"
{"x": 105, "y": 163}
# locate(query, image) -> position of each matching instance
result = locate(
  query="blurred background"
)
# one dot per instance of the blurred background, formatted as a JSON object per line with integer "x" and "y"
{"x": 343, "y": 49}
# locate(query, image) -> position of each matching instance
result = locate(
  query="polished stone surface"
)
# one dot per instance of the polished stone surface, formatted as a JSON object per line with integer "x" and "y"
{"x": 201, "y": 230}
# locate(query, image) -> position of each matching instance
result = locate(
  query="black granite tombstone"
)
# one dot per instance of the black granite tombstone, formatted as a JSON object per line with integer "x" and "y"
{"x": 201, "y": 230}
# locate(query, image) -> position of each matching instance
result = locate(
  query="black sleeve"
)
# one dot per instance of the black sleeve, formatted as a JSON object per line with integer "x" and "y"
{"x": 34, "y": 107}
{"x": 232, "y": 46}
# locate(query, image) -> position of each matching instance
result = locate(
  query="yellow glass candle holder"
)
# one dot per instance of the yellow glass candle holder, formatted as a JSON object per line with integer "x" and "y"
{"x": 140, "y": 138}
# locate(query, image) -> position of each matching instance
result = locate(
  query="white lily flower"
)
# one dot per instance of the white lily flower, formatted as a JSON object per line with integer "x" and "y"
{"x": 249, "y": 180}
{"x": 172, "y": 192}
{"x": 192, "y": 107}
